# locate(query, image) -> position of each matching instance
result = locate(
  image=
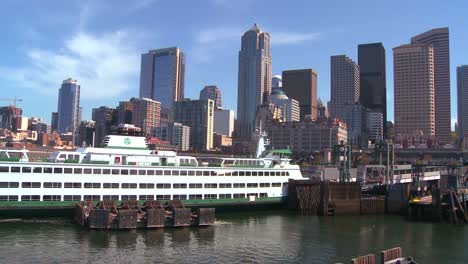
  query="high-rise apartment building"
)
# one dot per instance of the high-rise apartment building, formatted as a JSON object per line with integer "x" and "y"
{"x": 176, "y": 133}
{"x": 254, "y": 79}
{"x": 162, "y": 76}
{"x": 439, "y": 39}
{"x": 198, "y": 115}
{"x": 344, "y": 84}
{"x": 373, "y": 94}
{"x": 223, "y": 122}
{"x": 212, "y": 92}
{"x": 462, "y": 98}
{"x": 290, "y": 110}
{"x": 301, "y": 85}
{"x": 104, "y": 117}
{"x": 146, "y": 113}
{"x": 69, "y": 111}
{"x": 413, "y": 69}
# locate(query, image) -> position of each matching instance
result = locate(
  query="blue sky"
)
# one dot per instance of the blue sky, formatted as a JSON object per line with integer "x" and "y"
{"x": 100, "y": 42}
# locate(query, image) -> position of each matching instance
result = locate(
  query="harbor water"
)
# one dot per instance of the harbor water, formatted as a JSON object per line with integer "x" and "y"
{"x": 249, "y": 237}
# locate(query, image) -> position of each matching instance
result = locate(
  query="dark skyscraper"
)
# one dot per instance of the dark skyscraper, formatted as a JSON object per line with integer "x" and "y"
{"x": 301, "y": 85}
{"x": 212, "y": 92}
{"x": 373, "y": 95}
{"x": 462, "y": 91}
{"x": 439, "y": 39}
{"x": 69, "y": 113}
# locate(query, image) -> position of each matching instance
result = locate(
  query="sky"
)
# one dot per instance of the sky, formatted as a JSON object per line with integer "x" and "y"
{"x": 99, "y": 43}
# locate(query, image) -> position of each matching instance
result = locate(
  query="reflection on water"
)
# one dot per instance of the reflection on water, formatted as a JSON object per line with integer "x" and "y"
{"x": 261, "y": 237}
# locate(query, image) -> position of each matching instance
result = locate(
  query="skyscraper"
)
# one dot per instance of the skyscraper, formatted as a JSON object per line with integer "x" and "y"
{"x": 69, "y": 106}
{"x": 146, "y": 113}
{"x": 254, "y": 78}
{"x": 223, "y": 122}
{"x": 162, "y": 76}
{"x": 104, "y": 117}
{"x": 212, "y": 92}
{"x": 439, "y": 38}
{"x": 301, "y": 85}
{"x": 124, "y": 112}
{"x": 344, "y": 84}
{"x": 413, "y": 69}
{"x": 373, "y": 94}
{"x": 462, "y": 98}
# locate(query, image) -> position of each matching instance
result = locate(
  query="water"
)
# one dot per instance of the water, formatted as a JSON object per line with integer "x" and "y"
{"x": 260, "y": 237}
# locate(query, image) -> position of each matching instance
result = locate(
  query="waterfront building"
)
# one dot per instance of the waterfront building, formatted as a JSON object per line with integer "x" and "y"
{"x": 124, "y": 112}
{"x": 69, "y": 106}
{"x": 162, "y": 76}
{"x": 254, "y": 79}
{"x": 414, "y": 90}
{"x": 212, "y": 92}
{"x": 175, "y": 133}
{"x": 301, "y": 85}
{"x": 372, "y": 75}
{"x": 198, "y": 115}
{"x": 276, "y": 82}
{"x": 146, "y": 114}
{"x": 344, "y": 84}
{"x": 85, "y": 133}
{"x": 223, "y": 122}
{"x": 104, "y": 117}
{"x": 8, "y": 115}
{"x": 462, "y": 99}
{"x": 439, "y": 39}
{"x": 290, "y": 109}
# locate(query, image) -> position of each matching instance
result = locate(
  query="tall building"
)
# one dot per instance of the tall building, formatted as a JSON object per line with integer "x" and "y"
{"x": 8, "y": 114}
{"x": 290, "y": 110}
{"x": 439, "y": 39}
{"x": 198, "y": 115}
{"x": 54, "y": 121}
{"x": 124, "y": 112}
{"x": 162, "y": 76}
{"x": 69, "y": 106}
{"x": 374, "y": 125}
{"x": 146, "y": 113}
{"x": 176, "y": 133}
{"x": 212, "y": 92}
{"x": 276, "y": 82}
{"x": 85, "y": 133}
{"x": 462, "y": 99}
{"x": 413, "y": 69}
{"x": 344, "y": 84}
{"x": 355, "y": 116}
{"x": 373, "y": 94}
{"x": 254, "y": 79}
{"x": 301, "y": 85}
{"x": 104, "y": 117}
{"x": 223, "y": 122}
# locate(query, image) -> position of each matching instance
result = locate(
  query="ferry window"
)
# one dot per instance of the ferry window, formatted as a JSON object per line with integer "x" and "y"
{"x": 239, "y": 195}
{"x": 75, "y": 185}
{"x": 106, "y": 171}
{"x": 252, "y": 194}
{"x": 96, "y": 171}
{"x": 30, "y": 185}
{"x": 167, "y": 172}
{"x": 163, "y": 186}
{"x": 283, "y": 173}
{"x": 68, "y": 170}
{"x": 87, "y": 171}
{"x": 146, "y": 185}
{"x": 195, "y": 185}
{"x": 4, "y": 185}
{"x": 62, "y": 156}
{"x": 199, "y": 173}
{"x": 146, "y": 197}
{"x": 15, "y": 169}
{"x": 287, "y": 173}
{"x": 151, "y": 172}
{"x": 92, "y": 197}
{"x": 211, "y": 185}
{"x": 264, "y": 184}
{"x": 260, "y": 173}
{"x": 141, "y": 172}
{"x": 77, "y": 170}
{"x": 225, "y": 185}
{"x": 92, "y": 185}
{"x": 210, "y": 196}
{"x": 241, "y": 173}
{"x": 14, "y": 184}
{"x": 52, "y": 185}
{"x": 191, "y": 173}
{"x": 248, "y": 173}
{"x": 110, "y": 197}
{"x": 129, "y": 197}
{"x": 51, "y": 198}
{"x": 179, "y": 197}
{"x": 175, "y": 173}
{"x": 239, "y": 185}
{"x": 133, "y": 172}
{"x": 124, "y": 172}
{"x": 227, "y": 173}
{"x": 278, "y": 173}
{"x": 195, "y": 197}
{"x": 225, "y": 196}
{"x": 235, "y": 173}
{"x": 252, "y": 185}
{"x": 129, "y": 185}
{"x": 108, "y": 185}
{"x": 26, "y": 170}
{"x": 37, "y": 170}
{"x": 276, "y": 184}
{"x": 158, "y": 172}
{"x": 183, "y": 173}
{"x": 163, "y": 197}
{"x": 57, "y": 170}
{"x": 285, "y": 183}
{"x": 213, "y": 173}
{"x": 115, "y": 171}
{"x": 29, "y": 198}
{"x": 10, "y": 198}
{"x": 263, "y": 195}
{"x": 254, "y": 173}
{"x": 4, "y": 169}
{"x": 206, "y": 173}
{"x": 179, "y": 186}
{"x": 265, "y": 173}
{"x": 72, "y": 197}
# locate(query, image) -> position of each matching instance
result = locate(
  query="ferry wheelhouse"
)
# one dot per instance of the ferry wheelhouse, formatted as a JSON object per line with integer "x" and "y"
{"x": 125, "y": 169}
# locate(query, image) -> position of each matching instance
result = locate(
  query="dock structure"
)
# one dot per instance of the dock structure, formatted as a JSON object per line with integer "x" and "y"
{"x": 389, "y": 256}
{"x": 131, "y": 215}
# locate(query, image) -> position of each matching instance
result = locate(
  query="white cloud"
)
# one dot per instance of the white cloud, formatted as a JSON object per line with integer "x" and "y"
{"x": 105, "y": 66}
{"x": 213, "y": 35}
{"x": 283, "y": 38}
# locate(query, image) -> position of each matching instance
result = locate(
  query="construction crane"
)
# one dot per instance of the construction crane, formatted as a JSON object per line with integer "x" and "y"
{"x": 14, "y": 100}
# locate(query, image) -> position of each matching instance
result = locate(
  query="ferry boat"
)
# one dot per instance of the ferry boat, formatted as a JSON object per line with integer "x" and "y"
{"x": 125, "y": 169}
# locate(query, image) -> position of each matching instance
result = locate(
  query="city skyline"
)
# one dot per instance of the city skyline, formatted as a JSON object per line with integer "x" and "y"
{"x": 21, "y": 75}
